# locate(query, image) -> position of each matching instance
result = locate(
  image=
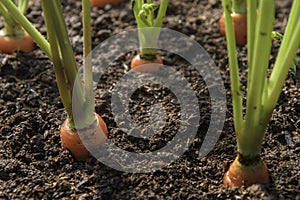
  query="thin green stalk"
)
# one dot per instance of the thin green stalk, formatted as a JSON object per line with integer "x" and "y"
{"x": 65, "y": 44}
{"x": 86, "y": 21}
{"x": 251, "y": 139}
{"x": 23, "y": 5}
{"x": 159, "y": 21}
{"x": 5, "y": 14}
{"x": 29, "y": 28}
{"x": 234, "y": 71}
{"x": 239, "y": 6}
{"x": 161, "y": 13}
{"x": 88, "y": 75}
{"x": 136, "y": 7}
{"x": 251, "y": 21}
{"x": 151, "y": 14}
{"x": 64, "y": 91}
{"x": 286, "y": 54}
{"x": 138, "y": 3}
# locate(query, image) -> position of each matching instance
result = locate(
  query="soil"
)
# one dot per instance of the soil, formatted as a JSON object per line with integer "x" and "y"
{"x": 33, "y": 164}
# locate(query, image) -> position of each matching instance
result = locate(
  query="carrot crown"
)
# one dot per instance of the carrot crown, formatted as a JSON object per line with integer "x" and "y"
{"x": 11, "y": 26}
{"x": 145, "y": 17}
{"x": 262, "y": 91}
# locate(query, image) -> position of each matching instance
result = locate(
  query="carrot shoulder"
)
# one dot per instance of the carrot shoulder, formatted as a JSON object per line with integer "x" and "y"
{"x": 11, "y": 44}
{"x": 240, "y": 27}
{"x": 102, "y": 3}
{"x": 143, "y": 65}
{"x": 239, "y": 175}
{"x": 71, "y": 140}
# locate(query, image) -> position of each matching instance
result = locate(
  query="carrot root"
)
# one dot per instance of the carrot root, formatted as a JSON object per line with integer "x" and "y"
{"x": 102, "y": 3}
{"x": 240, "y": 27}
{"x": 239, "y": 175}
{"x": 142, "y": 65}
{"x": 71, "y": 140}
{"x": 11, "y": 44}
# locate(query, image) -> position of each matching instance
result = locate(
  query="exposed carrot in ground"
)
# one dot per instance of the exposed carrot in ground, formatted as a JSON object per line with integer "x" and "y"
{"x": 102, "y": 3}
{"x": 239, "y": 175}
{"x": 142, "y": 65}
{"x": 240, "y": 27}
{"x": 71, "y": 140}
{"x": 11, "y": 44}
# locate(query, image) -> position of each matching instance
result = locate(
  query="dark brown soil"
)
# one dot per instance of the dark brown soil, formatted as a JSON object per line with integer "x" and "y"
{"x": 33, "y": 164}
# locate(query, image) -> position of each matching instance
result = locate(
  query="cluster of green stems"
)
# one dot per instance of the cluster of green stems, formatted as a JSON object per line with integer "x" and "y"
{"x": 262, "y": 91}
{"x": 11, "y": 27}
{"x": 148, "y": 25}
{"x": 59, "y": 50}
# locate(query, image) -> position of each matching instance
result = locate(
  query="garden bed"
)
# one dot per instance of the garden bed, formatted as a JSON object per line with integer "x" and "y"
{"x": 33, "y": 164}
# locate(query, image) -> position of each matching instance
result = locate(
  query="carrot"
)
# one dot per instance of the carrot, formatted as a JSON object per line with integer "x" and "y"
{"x": 239, "y": 175}
{"x": 12, "y": 36}
{"x": 59, "y": 50}
{"x": 71, "y": 140}
{"x": 263, "y": 86}
{"x": 102, "y": 3}
{"x": 149, "y": 18}
{"x": 240, "y": 27}
{"x": 10, "y": 44}
{"x": 140, "y": 64}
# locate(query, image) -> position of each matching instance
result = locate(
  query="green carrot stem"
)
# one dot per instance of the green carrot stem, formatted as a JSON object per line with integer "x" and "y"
{"x": 88, "y": 71}
{"x": 29, "y": 28}
{"x": 161, "y": 13}
{"x": 86, "y": 21}
{"x": 145, "y": 38}
{"x": 151, "y": 14}
{"x": 159, "y": 21}
{"x": 136, "y": 7}
{"x": 239, "y": 6}
{"x": 251, "y": 21}
{"x": 65, "y": 44}
{"x": 62, "y": 82}
{"x": 23, "y": 4}
{"x": 234, "y": 72}
{"x": 290, "y": 44}
{"x": 138, "y": 3}
{"x": 249, "y": 143}
{"x": 6, "y": 16}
